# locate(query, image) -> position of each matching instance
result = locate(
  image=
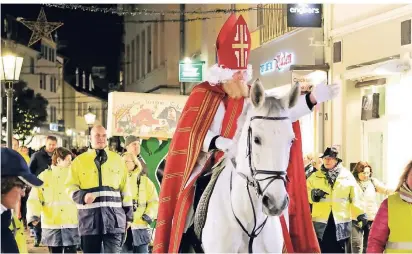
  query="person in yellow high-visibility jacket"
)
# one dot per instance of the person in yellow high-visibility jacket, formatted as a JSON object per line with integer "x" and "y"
{"x": 335, "y": 197}
{"x": 391, "y": 231}
{"x": 98, "y": 183}
{"x": 54, "y": 206}
{"x": 17, "y": 227}
{"x": 145, "y": 203}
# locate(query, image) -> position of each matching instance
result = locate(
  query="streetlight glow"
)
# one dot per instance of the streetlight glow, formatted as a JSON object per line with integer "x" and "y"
{"x": 10, "y": 67}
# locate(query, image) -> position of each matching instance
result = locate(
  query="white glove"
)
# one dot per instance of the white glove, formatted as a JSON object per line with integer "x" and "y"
{"x": 324, "y": 92}
{"x": 223, "y": 144}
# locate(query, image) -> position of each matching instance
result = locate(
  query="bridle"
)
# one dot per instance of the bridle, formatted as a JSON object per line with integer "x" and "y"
{"x": 254, "y": 182}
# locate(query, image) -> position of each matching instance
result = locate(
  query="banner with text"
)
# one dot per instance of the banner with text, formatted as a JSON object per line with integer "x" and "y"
{"x": 144, "y": 115}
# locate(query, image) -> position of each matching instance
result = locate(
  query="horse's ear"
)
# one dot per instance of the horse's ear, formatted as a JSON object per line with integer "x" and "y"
{"x": 294, "y": 95}
{"x": 257, "y": 94}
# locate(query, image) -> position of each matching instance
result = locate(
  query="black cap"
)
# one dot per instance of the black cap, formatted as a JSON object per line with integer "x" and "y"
{"x": 331, "y": 152}
{"x": 13, "y": 164}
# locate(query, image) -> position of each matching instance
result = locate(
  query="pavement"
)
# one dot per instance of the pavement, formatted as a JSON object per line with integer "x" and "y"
{"x": 30, "y": 245}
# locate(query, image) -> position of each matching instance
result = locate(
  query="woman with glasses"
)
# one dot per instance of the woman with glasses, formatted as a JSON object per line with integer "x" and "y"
{"x": 370, "y": 187}
{"x": 55, "y": 208}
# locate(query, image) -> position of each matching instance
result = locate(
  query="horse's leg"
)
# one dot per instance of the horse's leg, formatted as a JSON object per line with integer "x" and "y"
{"x": 270, "y": 240}
{"x": 221, "y": 234}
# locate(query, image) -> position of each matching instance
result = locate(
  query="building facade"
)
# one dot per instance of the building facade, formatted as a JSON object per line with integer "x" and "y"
{"x": 43, "y": 72}
{"x": 370, "y": 50}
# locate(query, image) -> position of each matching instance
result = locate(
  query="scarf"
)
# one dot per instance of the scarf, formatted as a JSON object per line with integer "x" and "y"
{"x": 406, "y": 193}
{"x": 364, "y": 184}
{"x": 331, "y": 174}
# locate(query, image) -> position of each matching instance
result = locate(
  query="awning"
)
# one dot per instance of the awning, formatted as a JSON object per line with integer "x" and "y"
{"x": 383, "y": 68}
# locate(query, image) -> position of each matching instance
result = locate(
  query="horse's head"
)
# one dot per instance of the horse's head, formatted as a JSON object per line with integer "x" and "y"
{"x": 268, "y": 135}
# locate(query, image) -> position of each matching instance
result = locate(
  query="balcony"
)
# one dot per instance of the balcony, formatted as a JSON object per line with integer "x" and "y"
{"x": 272, "y": 23}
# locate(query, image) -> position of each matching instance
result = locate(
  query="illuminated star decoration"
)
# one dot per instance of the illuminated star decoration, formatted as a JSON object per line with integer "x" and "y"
{"x": 41, "y": 28}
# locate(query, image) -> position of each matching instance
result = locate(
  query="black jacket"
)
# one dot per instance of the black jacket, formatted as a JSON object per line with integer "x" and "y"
{"x": 8, "y": 242}
{"x": 39, "y": 161}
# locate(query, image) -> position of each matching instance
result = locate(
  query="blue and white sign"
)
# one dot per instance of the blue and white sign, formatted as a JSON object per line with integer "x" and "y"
{"x": 279, "y": 63}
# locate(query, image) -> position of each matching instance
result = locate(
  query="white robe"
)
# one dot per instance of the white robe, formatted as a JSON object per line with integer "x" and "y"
{"x": 300, "y": 109}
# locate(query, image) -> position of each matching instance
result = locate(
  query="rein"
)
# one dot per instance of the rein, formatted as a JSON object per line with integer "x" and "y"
{"x": 272, "y": 175}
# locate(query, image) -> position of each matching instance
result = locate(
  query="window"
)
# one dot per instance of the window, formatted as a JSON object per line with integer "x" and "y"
{"x": 50, "y": 55}
{"x": 133, "y": 70}
{"x": 143, "y": 58}
{"x": 43, "y": 83}
{"x": 127, "y": 76}
{"x": 260, "y": 15}
{"x": 32, "y": 65}
{"x": 46, "y": 52}
{"x": 137, "y": 57}
{"x": 53, "y": 87}
{"x": 149, "y": 49}
{"x": 53, "y": 115}
{"x": 79, "y": 109}
{"x": 156, "y": 46}
{"x": 162, "y": 40}
{"x": 85, "y": 108}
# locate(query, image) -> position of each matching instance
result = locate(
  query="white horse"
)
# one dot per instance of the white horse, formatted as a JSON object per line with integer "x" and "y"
{"x": 250, "y": 193}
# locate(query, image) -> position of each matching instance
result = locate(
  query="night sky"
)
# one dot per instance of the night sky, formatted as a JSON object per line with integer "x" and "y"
{"x": 91, "y": 39}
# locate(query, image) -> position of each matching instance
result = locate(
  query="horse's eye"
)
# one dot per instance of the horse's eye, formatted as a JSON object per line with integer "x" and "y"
{"x": 257, "y": 140}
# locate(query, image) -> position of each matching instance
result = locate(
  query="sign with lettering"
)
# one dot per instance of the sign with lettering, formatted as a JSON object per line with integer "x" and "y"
{"x": 191, "y": 72}
{"x": 370, "y": 107}
{"x": 304, "y": 15}
{"x": 144, "y": 115}
{"x": 307, "y": 80}
{"x": 280, "y": 62}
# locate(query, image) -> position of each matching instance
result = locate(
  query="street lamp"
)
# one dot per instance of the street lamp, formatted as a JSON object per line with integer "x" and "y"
{"x": 10, "y": 67}
{"x": 90, "y": 118}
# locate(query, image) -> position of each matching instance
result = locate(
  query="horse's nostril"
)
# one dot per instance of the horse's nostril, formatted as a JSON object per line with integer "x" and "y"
{"x": 265, "y": 201}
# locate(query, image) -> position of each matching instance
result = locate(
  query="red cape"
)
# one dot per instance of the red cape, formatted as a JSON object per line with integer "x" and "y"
{"x": 175, "y": 199}
{"x": 301, "y": 231}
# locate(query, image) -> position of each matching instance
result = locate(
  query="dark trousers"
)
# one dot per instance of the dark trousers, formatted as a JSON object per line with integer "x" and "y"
{"x": 359, "y": 238}
{"x": 329, "y": 243}
{"x": 112, "y": 243}
{"x": 144, "y": 248}
{"x": 37, "y": 232}
{"x": 63, "y": 249}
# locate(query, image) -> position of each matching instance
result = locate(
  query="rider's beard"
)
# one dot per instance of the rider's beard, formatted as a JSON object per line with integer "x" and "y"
{"x": 236, "y": 88}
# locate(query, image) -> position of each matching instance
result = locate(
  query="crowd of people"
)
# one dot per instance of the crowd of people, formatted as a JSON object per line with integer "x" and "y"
{"x": 98, "y": 202}
{"x": 345, "y": 211}
{"x": 103, "y": 201}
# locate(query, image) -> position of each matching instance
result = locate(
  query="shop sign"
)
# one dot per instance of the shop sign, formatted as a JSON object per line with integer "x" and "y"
{"x": 191, "y": 72}
{"x": 370, "y": 107}
{"x": 307, "y": 81}
{"x": 279, "y": 63}
{"x": 304, "y": 15}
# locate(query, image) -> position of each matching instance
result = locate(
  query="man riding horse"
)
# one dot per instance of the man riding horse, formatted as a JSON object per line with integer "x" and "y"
{"x": 208, "y": 123}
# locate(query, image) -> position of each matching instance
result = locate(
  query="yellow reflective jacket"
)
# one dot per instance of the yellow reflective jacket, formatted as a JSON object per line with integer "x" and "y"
{"x": 400, "y": 225}
{"x": 17, "y": 227}
{"x": 51, "y": 203}
{"x": 102, "y": 173}
{"x": 145, "y": 199}
{"x": 25, "y": 157}
{"x": 344, "y": 201}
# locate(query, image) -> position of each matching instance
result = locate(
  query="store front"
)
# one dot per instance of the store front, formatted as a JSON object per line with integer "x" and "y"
{"x": 375, "y": 117}
{"x": 289, "y": 60}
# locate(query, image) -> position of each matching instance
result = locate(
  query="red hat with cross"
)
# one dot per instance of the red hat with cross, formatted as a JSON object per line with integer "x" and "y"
{"x": 233, "y": 44}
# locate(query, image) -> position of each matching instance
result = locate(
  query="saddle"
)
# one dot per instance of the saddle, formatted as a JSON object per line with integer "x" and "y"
{"x": 203, "y": 205}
